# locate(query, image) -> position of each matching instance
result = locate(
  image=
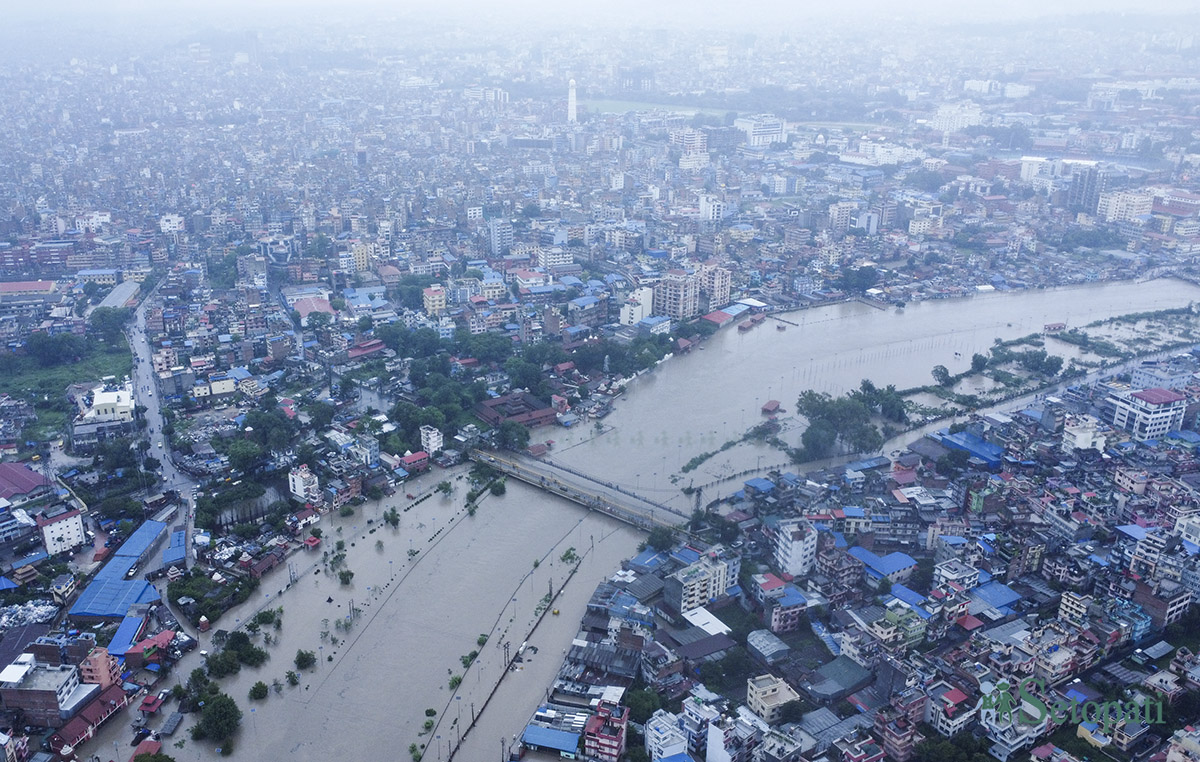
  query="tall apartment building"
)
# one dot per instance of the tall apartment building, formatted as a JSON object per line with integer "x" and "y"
{"x": 500, "y": 236}
{"x": 712, "y": 209}
{"x": 696, "y": 584}
{"x": 761, "y": 129}
{"x": 677, "y": 295}
{"x": 795, "y": 546}
{"x": 304, "y": 485}
{"x": 434, "y": 300}
{"x": 431, "y": 440}
{"x": 716, "y": 282}
{"x": 1122, "y": 206}
{"x": 1149, "y": 413}
{"x": 841, "y": 214}
{"x": 638, "y": 306}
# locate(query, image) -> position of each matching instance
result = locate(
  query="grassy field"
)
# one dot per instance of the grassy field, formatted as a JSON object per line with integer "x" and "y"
{"x": 44, "y": 388}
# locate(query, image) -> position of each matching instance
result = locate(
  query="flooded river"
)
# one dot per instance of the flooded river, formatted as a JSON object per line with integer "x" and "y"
{"x": 693, "y": 403}
{"x": 475, "y": 575}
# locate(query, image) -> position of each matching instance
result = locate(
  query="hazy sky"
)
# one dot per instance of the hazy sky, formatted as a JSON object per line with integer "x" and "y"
{"x": 755, "y": 14}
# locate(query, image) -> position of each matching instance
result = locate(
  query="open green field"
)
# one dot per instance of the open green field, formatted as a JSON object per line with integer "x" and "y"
{"x": 45, "y": 387}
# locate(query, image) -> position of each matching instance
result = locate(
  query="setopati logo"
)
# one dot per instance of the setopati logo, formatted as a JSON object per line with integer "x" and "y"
{"x": 1028, "y": 707}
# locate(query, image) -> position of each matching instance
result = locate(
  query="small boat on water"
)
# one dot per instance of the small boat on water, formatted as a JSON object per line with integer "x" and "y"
{"x": 780, "y": 327}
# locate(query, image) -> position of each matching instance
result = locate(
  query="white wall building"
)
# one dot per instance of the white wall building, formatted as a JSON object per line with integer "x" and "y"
{"x": 431, "y": 440}
{"x": 663, "y": 736}
{"x": 1149, "y": 413}
{"x": 795, "y": 546}
{"x": 62, "y": 532}
{"x": 638, "y": 306}
{"x": 304, "y": 485}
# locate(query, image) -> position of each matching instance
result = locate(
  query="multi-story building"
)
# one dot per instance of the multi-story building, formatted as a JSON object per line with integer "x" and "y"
{"x": 766, "y": 696}
{"x": 604, "y": 733}
{"x": 696, "y": 584}
{"x": 795, "y": 546}
{"x": 953, "y": 571}
{"x": 62, "y": 530}
{"x": 716, "y": 283}
{"x": 761, "y": 129}
{"x": 432, "y": 441}
{"x": 500, "y": 236}
{"x": 1184, "y": 745}
{"x": 637, "y": 306}
{"x": 677, "y": 295}
{"x": 43, "y": 694}
{"x": 663, "y": 736}
{"x": 104, "y": 413}
{"x": 1148, "y": 413}
{"x": 949, "y": 709}
{"x": 100, "y": 668}
{"x": 304, "y": 485}
{"x": 1083, "y": 433}
{"x": 1123, "y": 206}
{"x": 1073, "y": 606}
{"x": 896, "y": 724}
{"x": 434, "y": 300}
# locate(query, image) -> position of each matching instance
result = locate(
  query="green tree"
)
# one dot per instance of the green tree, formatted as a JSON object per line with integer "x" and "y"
{"x": 661, "y": 538}
{"x": 258, "y": 691}
{"x": 642, "y": 703}
{"x": 244, "y": 455}
{"x": 305, "y": 659}
{"x": 513, "y": 435}
{"x": 941, "y": 375}
{"x": 220, "y": 718}
{"x": 978, "y": 362}
{"x": 108, "y": 322}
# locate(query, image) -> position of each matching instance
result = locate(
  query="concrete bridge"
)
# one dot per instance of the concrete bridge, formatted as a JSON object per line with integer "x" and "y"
{"x": 592, "y": 493}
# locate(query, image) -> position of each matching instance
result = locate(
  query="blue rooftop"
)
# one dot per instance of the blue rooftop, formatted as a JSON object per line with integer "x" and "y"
{"x": 792, "y": 597}
{"x": 997, "y": 595}
{"x": 964, "y": 440}
{"x": 889, "y": 564}
{"x": 126, "y": 635}
{"x": 549, "y": 738}
{"x": 759, "y": 484}
{"x": 110, "y": 594}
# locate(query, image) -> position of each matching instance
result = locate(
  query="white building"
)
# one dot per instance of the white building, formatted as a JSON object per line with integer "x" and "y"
{"x": 638, "y": 306}
{"x": 431, "y": 440}
{"x": 61, "y": 532}
{"x": 761, "y": 129}
{"x": 663, "y": 736}
{"x": 171, "y": 223}
{"x": 956, "y": 116}
{"x": 695, "y": 585}
{"x": 712, "y": 209}
{"x": 1083, "y": 433}
{"x": 1122, "y": 206}
{"x": 304, "y": 485}
{"x": 1149, "y": 413}
{"x": 795, "y": 546}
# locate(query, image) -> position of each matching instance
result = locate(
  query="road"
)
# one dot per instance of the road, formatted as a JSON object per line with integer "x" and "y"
{"x": 145, "y": 395}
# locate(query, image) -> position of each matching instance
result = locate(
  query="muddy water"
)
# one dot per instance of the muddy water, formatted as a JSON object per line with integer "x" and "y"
{"x": 475, "y": 575}
{"x": 694, "y": 403}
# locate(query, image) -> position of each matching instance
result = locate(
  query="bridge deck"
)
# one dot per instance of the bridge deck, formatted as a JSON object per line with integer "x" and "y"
{"x": 584, "y": 490}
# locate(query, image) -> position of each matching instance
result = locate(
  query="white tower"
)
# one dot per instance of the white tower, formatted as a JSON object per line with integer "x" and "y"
{"x": 571, "y": 112}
